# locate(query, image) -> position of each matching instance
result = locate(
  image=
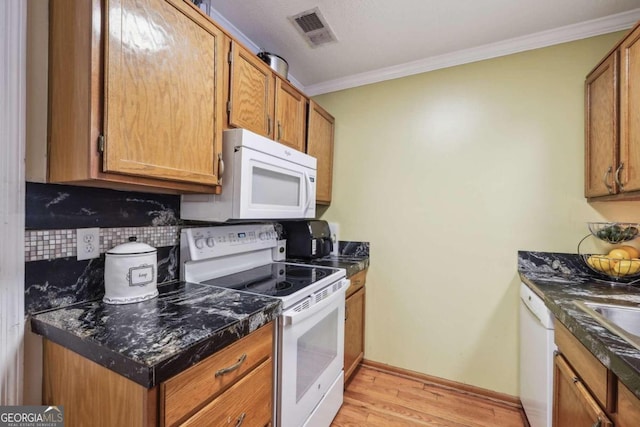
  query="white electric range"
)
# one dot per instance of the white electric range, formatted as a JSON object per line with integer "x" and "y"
{"x": 309, "y": 352}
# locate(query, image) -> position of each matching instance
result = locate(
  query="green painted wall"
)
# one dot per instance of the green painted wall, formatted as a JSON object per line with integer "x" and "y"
{"x": 448, "y": 174}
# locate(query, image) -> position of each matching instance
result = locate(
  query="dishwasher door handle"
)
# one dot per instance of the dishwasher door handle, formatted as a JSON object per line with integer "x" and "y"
{"x": 535, "y": 316}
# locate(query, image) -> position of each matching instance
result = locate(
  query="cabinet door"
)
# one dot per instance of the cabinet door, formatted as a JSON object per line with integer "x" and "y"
{"x": 630, "y": 111}
{"x": 353, "y": 332}
{"x": 572, "y": 403}
{"x": 320, "y": 145}
{"x": 290, "y": 115}
{"x": 628, "y": 407}
{"x": 163, "y": 90}
{"x": 601, "y": 129}
{"x": 251, "y": 92}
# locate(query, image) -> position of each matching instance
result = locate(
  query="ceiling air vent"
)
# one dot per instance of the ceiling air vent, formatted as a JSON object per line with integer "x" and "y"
{"x": 313, "y": 27}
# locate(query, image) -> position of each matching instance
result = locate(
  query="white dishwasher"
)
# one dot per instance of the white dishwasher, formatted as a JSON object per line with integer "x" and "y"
{"x": 536, "y": 358}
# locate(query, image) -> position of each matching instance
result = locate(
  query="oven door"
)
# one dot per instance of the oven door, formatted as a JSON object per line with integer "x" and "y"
{"x": 311, "y": 360}
{"x": 273, "y": 188}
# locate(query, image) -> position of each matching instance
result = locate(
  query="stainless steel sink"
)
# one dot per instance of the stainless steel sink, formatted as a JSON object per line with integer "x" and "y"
{"x": 622, "y": 320}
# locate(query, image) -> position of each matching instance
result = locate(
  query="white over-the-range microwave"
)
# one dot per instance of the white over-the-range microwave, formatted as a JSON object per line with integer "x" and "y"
{"x": 261, "y": 179}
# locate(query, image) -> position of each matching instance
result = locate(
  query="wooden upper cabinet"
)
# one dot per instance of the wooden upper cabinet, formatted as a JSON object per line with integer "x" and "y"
{"x": 320, "y": 145}
{"x": 601, "y": 128}
{"x": 251, "y": 92}
{"x": 630, "y": 111}
{"x": 612, "y": 123}
{"x": 163, "y": 91}
{"x": 136, "y": 95}
{"x": 291, "y": 107}
{"x": 260, "y": 101}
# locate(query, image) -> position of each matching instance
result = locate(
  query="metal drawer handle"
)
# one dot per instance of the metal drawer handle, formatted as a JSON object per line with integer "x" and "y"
{"x": 604, "y": 179}
{"x": 241, "y": 419}
{"x": 617, "y": 177}
{"x": 232, "y": 367}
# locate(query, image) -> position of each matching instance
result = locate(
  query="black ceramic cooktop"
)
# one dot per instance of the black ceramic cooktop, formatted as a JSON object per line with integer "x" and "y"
{"x": 276, "y": 279}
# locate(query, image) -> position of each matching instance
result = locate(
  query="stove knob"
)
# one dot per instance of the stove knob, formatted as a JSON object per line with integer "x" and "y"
{"x": 262, "y": 235}
{"x": 199, "y": 242}
{"x": 211, "y": 242}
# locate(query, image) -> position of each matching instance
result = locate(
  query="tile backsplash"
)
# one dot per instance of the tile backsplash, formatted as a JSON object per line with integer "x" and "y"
{"x": 53, "y": 276}
{"x": 51, "y": 244}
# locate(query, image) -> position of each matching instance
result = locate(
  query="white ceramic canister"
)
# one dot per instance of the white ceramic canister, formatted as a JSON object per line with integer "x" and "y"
{"x": 130, "y": 273}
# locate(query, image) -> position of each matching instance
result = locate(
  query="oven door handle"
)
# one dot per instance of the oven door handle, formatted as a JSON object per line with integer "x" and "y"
{"x": 297, "y": 317}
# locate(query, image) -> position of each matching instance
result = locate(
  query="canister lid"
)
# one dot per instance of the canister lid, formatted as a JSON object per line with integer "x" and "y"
{"x": 132, "y": 247}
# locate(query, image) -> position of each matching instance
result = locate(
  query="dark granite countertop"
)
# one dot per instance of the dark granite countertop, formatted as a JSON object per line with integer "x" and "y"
{"x": 352, "y": 263}
{"x": 151, "y": 341}
{"x": 561, "y": 279}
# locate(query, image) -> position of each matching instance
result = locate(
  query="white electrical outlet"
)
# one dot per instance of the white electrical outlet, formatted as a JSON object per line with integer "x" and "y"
{"x": 88, "y": 243}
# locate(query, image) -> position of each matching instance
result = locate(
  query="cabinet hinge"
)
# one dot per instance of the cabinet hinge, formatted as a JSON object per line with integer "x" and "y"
{"x": 101, "y": 144}
{"x": 228, "y": 106}
{"x": 230, "y": 57}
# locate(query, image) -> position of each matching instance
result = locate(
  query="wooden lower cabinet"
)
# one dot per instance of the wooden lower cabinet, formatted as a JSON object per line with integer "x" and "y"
{"x": 91, "y": 394}
{"x": 593, "y": 374}
{"x": 628, "y": 408}
{"x": 354, "y": 324}
{"x": 231, "y": 387}
{"x": 573, "y": 405}
{"x": 585, "y": 392}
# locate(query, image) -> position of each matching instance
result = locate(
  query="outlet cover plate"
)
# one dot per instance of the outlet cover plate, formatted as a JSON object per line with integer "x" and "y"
{"x": 88, "y": 243}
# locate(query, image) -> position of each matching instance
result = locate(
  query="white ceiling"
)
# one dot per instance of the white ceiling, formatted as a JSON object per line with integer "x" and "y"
{"x": 382, "y": 39}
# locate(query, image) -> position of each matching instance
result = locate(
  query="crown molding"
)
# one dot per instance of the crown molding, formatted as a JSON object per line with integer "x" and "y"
{"x": 595, "y": 27}
{"x": 240, "y": 36}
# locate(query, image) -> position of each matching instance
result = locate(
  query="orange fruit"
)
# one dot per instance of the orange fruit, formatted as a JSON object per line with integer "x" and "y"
{"x": 619, "y": 254}
{"x": 633, "y": 252}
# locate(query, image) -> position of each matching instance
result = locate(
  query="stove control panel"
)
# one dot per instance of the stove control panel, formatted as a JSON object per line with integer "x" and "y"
{"x": 214, "y": 242}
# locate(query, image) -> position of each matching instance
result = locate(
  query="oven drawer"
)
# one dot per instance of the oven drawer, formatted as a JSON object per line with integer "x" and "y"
{"x": 183, "y": 394}
{"x": 247, "y": 402}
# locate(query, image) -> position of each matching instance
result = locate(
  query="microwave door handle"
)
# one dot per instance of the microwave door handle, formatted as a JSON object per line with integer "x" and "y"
{"x": 307, "y": 179}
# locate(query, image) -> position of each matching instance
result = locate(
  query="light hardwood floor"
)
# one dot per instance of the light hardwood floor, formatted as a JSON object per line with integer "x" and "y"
{"x": 380, "y": 398}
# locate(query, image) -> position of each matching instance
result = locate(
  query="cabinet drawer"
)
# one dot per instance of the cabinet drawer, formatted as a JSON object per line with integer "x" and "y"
{"x": 247, "y": 402}
{"x": 357, "y": 282}
{"x": 193, "y": 388}
{"x": 593, "y": 373}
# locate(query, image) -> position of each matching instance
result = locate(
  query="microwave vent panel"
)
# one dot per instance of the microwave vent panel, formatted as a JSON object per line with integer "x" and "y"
{"x": 313, "y": 27}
